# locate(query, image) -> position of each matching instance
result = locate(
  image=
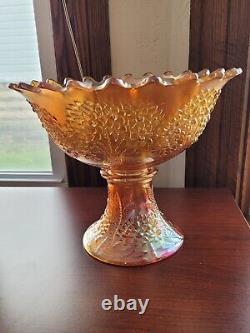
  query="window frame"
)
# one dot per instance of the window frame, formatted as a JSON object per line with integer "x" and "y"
{"x": 58, "y": 176}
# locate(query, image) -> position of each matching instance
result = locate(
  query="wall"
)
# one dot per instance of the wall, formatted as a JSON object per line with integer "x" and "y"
{"x": 151, "y": 36}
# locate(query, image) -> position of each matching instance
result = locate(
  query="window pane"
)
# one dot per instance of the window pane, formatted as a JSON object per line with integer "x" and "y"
{"x": 23, "y": 143}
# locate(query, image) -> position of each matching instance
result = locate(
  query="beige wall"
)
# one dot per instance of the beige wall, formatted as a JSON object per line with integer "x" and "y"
{"x": 151, "y": 36}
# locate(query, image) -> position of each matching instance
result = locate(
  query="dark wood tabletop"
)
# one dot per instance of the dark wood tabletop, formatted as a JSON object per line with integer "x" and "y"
{"x": 48, "y": 284}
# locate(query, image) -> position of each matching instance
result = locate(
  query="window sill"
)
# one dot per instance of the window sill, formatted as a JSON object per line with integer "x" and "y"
{"x": 36, "y": 179}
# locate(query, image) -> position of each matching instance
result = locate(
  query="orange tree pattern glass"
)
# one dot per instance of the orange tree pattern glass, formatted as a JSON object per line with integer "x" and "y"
{"x": 128, "y": 126}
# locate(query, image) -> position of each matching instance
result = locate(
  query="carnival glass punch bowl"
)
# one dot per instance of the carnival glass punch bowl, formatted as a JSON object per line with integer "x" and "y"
{"x": 126, "y": 127}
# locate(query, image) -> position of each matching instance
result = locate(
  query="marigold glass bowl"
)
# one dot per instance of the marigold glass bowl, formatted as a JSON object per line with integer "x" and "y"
{"x": 126, "y": 127}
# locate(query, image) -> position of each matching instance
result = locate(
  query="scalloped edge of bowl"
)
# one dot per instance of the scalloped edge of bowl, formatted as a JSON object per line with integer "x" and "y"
{"x": 129, "y": 81}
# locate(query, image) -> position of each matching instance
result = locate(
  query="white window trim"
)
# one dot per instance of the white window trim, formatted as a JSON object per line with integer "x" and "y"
{"x": 48, "y": 68}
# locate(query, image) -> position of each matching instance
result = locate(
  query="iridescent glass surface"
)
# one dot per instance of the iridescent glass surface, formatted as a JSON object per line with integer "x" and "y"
{"x": 127, "y": 127}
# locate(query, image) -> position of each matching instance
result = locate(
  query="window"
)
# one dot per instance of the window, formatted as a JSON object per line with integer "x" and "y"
{"x": 24, "y": 145}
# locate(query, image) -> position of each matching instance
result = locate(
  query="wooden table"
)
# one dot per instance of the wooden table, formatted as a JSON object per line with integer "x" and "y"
{"x": 49, "y": 285}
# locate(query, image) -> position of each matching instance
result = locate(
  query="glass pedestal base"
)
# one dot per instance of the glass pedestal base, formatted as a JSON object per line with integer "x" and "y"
{"x": 132, "y": 230}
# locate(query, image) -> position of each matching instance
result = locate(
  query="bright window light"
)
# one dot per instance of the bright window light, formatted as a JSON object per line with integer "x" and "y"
{"x": 24, "y": 144}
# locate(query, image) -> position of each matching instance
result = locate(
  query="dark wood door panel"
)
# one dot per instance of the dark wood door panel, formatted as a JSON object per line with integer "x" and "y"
{"x": 219, "y": 37}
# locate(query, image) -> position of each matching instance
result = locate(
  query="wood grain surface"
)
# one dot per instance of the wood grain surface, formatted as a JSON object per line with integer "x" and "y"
{"x": 50, "y": 285}
{"x": 219, "y": 37}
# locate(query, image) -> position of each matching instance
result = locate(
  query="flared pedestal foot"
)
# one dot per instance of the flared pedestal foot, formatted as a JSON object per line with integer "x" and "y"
{"x": 132, "y": 230}
{"x": 145, "y": 245}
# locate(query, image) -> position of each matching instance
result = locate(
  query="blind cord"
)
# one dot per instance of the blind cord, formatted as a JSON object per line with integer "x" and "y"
{"x": 66, "y": 13}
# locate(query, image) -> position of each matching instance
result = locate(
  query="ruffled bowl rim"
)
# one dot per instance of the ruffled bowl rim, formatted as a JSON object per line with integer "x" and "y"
{"x": 129, "y": 81}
